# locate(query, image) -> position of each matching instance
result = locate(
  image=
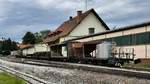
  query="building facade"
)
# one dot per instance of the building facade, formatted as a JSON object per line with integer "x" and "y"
{"x": 81, "y": 25}
{"x": 88, "y": 28}
{"x": 135, "y": 36}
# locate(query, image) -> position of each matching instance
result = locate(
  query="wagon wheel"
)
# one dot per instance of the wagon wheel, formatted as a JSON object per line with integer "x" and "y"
{"x": 118, "y": 64}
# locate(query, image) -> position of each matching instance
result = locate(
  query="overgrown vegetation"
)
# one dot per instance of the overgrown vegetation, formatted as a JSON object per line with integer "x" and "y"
{"x": 9, "y": 79}
{"x": 139, "y": 64}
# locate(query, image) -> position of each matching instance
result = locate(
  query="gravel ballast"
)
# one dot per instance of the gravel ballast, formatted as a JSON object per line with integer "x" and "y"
{"x": 72, "y": 76}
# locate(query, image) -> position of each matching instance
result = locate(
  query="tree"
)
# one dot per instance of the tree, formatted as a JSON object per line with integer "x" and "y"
{"x": 7, "y": 45}
{"x": 29, "y": 38}
{"x": 14, "y": 45}
{"x": 40, "y": 35}
{"x": 44, "y": 33}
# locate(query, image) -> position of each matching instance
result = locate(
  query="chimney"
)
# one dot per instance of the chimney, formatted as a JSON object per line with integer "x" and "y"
{"x": 70, "y": 18}
{"x": 79, "y": 13}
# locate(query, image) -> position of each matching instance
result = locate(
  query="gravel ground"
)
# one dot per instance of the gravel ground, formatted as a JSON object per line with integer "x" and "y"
{"x": 73, "y": 76}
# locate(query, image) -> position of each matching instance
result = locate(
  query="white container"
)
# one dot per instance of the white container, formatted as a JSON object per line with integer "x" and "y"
{"x": 103, "y": 50}
{"x": 64, "y": 51}
{"x": 41, "y": 48}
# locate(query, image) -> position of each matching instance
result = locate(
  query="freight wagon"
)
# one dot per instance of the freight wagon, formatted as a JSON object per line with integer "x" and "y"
{"x": 103, "y": 53}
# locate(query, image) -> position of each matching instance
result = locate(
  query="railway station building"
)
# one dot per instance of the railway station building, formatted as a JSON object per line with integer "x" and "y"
{"x": 135, "y": 36}
{"x": 83, "y": 32}
{"x": 82, "y": 24}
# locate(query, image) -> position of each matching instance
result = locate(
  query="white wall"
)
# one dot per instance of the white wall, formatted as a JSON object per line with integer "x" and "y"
{"x": 148, "y": 28}
{"x": 28, "y": 51}
{"x": 41, "y": 47}
{"x": 82, "y": 29}
{"x": 141, "y": 51}
{"x": 110, "y": 35}
{"x": 13, "y": 53}
{"x": 115, "y": 34}
{"x": 91, "y": 21}
{"x": 36, "y": 48}
{"x": 148, "y": 51}
{"x": 133, "y": 31}
{"x": 62, "y": 39}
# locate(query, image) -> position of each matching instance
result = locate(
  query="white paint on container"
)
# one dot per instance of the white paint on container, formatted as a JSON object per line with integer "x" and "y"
{"x": 41, "y": 48}
{"x": 64, "y": 51}
{"x": 103, "y": 50}
{"x": 14, "y": 53}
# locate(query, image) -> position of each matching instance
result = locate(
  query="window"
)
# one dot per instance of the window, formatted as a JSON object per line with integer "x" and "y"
{"x": 133, "y": 39}
{"x": 91, "y": 30}
{"x": 142, "y": 38}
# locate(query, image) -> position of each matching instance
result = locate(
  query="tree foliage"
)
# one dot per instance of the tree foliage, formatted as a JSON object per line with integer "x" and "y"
{"x": 29, "y": 38}
{"x": 37, "y": 37}
{"x": 8, "y": 45}
{"x": 44, "y": 33}
{"x": 40, "y": 35}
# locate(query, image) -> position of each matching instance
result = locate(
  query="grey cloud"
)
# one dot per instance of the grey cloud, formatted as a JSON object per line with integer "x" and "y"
{"x": 19, "y": 16}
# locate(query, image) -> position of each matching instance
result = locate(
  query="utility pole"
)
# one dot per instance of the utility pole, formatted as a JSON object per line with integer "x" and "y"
{"x": 86, "y": 2}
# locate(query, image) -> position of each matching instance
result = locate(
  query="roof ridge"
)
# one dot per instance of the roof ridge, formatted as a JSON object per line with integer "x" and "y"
{"x": 67, "y": 26}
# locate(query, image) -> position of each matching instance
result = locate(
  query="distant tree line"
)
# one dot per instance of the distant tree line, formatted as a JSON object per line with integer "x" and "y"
{"x": 7, "y": 45}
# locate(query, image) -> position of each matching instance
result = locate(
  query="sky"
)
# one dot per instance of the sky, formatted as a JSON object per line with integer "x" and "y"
{"x": 19, "y": 16}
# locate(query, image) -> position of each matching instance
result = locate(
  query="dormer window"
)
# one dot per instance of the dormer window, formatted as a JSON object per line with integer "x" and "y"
{"x": 91, "y": 30}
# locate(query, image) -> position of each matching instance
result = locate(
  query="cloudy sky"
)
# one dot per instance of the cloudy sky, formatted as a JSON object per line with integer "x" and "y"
{"x": 20, "y": 16}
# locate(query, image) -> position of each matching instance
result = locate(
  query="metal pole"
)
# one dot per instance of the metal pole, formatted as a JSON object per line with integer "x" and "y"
{"x": 86, "y": 5}
{"x": 146, "y": 44}
{"x": 83, "y": 51}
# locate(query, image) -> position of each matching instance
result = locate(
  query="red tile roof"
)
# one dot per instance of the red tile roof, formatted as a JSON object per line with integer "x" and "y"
{"x": 65, "y": 28}
{"x": 25, "y": 46}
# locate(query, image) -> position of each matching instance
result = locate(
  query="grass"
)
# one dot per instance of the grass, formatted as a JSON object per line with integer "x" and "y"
{"x": 142, "y": 64}
{"x": 146, "y": 65}
{"x": 10, "y": 79}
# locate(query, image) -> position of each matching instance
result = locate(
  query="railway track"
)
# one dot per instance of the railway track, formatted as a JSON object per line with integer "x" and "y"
{"x": 100, "y": 69}
{"x": 131, "y": 72}
{"x": 28, "y": 78}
